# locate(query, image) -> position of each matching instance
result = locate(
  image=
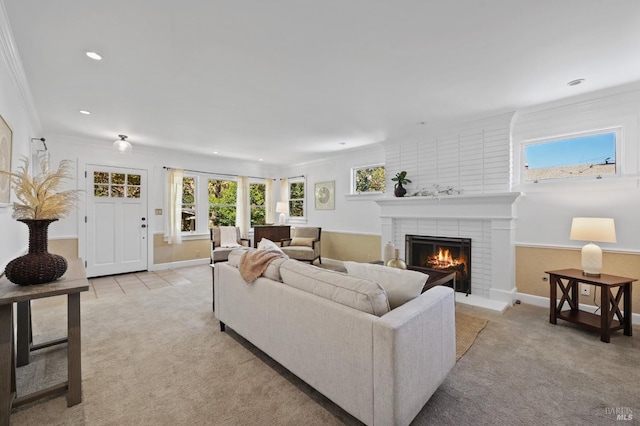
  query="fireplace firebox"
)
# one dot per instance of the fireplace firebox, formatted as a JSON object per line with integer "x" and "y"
{"x": 441, "y": 254}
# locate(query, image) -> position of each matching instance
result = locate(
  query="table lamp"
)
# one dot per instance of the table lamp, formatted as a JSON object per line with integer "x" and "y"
{"x": 282, "y": 207}
{"x": 599, "y": 229}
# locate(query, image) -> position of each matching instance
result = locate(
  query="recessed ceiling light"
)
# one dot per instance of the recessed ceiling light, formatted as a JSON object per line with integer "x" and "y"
{"x": 94, "y": 55}
{"x": 85, "y": 112}
{"x": 215, "y": 152}
{"x": 260, "y": 159}
{"x": 576, "y": 82}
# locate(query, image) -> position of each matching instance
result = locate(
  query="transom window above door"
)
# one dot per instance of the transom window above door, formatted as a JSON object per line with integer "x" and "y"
{"x": 116, "y": 185}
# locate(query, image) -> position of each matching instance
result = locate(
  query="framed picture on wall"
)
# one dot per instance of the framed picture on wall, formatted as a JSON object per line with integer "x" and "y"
{"x": 325, "y": 195}
{"x": 6, "y": 142}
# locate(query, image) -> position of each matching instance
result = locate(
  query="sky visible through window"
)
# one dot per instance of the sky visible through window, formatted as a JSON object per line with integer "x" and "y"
{"x": 594, "y": 149}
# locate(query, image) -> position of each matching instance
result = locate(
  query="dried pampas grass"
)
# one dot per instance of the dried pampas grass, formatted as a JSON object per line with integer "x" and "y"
{"x": 39, "y": 197}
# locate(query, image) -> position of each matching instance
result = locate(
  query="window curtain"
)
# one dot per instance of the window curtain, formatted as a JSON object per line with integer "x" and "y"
{"x": 175, "y": 206}
{"x": 284, "y": 189}
{"x": 270, "y": 213}
{"x": 242, "y": 206}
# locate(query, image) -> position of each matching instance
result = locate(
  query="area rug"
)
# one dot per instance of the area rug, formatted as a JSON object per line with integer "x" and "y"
{"x": 467, "y": 329}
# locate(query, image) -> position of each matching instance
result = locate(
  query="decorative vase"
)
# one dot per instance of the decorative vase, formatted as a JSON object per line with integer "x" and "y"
{"x": 399, "y": 190}
{"x": 389, "y": 250}
{"x": 38, "y": 266}
{"x": 396, "y": 262}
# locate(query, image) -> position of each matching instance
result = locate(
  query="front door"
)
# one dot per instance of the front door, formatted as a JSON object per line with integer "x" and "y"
{"x": 116, "y": 220}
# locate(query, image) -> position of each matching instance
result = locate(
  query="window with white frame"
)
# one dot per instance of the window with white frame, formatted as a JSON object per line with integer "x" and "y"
{"x": 368, "y": 179}
{"x": 589, "y": 154}
{"x": 189, "y": 196}
{"x": 222, "y": 202}
{"x": 296, "y": 198}
{"x": 257, "y": 203}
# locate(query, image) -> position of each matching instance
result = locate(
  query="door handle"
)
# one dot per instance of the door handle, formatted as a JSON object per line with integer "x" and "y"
{"x": 144, "y": 226}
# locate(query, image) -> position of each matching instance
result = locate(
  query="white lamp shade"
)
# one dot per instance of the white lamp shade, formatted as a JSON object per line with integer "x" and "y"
{"x": 282, "y": 207}
{"x": 600, "y": 229}
{"x": 591, "y": 229}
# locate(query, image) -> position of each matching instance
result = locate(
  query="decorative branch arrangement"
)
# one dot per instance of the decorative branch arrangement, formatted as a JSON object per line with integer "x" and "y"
{"x": 39, "y": 196}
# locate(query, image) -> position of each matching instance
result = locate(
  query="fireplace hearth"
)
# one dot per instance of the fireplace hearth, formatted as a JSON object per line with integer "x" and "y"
{"x": 441, "y": 254}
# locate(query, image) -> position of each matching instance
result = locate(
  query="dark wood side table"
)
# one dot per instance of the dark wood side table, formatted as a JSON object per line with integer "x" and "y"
{"x": 609, "y": 303}
{"x": 275, "y": 233}
{"x": 72, "y": 283}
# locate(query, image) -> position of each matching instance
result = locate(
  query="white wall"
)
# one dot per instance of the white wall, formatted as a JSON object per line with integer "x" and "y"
{"x": 100, "y": 152}
{"x": 17, "y": 113}
{"x": 473, "y": 157}
{"x": 545, "y": 210}
{"x": 353, "y": 214}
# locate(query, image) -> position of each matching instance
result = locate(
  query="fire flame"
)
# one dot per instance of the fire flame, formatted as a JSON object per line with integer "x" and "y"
{"x": 443, "y": 260}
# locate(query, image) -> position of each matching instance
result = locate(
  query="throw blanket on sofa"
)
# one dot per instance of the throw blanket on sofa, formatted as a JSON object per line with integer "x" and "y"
{"x": 253, "y": 263}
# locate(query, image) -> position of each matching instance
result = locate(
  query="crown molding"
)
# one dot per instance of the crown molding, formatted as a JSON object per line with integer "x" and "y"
{"x": 11, "y": 57}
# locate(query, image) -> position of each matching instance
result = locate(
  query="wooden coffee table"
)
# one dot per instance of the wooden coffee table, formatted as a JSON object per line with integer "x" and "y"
{"x": 436, "y": 277}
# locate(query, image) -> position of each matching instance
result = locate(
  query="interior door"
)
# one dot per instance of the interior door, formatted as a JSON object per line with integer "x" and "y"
{"x": 116, "y": 220}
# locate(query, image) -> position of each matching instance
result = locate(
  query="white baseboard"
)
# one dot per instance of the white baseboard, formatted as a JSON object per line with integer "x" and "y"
{"x": 180, "y": 264}
{"x": 544, "y": 302}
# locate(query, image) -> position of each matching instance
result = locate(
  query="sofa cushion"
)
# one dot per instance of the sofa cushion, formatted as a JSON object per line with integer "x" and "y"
{"x": 266, "y": 244}
{"x": 272, "y": 272}
{"x": 400, "y": 285}
{"x": 364, "y": 295}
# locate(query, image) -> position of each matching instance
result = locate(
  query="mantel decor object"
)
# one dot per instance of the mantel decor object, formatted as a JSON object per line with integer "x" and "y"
{"x": 39, "y": 203}
{"x": 400, "y": 179}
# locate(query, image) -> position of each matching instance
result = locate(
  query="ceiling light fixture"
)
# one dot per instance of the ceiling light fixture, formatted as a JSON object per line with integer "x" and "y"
{"x": 122, "y": 145}
{"x": 94, "y": 55}
{"x": 576, "y": 82}
{"x": 85, "y": 112}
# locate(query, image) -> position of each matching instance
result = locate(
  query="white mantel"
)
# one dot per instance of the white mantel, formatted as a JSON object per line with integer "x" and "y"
{"x": 488, "y": 219}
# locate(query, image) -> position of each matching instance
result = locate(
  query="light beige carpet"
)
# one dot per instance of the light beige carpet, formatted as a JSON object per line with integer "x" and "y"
{"x": 467, "y": 329}
{"x": 158, "y": 358}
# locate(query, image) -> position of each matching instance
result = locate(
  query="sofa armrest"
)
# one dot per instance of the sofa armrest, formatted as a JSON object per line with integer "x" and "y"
{"x": 414, "y": 348}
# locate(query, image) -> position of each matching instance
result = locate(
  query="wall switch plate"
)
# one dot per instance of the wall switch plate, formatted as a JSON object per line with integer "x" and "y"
{"x": 585, "y": 289}
{"x": 158, "y": 212}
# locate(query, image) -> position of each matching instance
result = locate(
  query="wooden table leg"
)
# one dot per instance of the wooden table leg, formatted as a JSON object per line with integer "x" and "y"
{"x": 553, "y": 299}
{"x": 74, "y": 363}
{"x": 605, "y": 321}
{"x": 6, "y": 350}
{"x": 24, "y": 333}
{"x": 628, "y": 326}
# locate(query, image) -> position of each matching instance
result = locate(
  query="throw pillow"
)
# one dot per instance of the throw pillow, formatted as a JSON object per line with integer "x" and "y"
{"x": 302, "y": 241}
{"x": 266, "y": 244}
{"x": 401, "y": 285}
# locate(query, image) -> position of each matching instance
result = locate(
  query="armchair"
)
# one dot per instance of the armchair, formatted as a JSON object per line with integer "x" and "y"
{"x": 304, "y": 244}
{"x": 220, "y": 253}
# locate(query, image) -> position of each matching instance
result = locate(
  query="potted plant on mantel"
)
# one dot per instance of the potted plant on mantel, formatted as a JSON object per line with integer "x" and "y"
{"x": 401, "y": 178}
{"x": 39, "y": 203}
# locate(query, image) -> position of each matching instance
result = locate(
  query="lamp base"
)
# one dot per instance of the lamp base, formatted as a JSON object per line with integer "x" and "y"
{"x": 591, "y": 274}
{"x": 283, "y": 219}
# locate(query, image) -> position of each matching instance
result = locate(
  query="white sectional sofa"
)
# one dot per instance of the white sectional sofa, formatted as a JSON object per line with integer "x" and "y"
{"x": 336, "y": 333}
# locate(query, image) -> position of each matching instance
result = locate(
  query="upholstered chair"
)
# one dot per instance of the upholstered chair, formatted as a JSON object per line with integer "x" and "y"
{"x": 220, "y": 253}
{"x": 304, "y": 244}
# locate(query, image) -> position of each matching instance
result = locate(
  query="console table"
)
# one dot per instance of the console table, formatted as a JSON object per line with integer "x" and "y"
{"x": 609, "y": 303}
{"x": 72, "y": 283}
{"x": 275, "y": 233}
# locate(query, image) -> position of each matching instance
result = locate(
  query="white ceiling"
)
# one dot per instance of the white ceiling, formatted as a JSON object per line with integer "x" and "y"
{"x": 290, "y": 80}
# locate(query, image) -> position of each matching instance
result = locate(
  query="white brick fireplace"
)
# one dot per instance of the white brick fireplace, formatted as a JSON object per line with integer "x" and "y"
{"x": 488, "y": 219}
